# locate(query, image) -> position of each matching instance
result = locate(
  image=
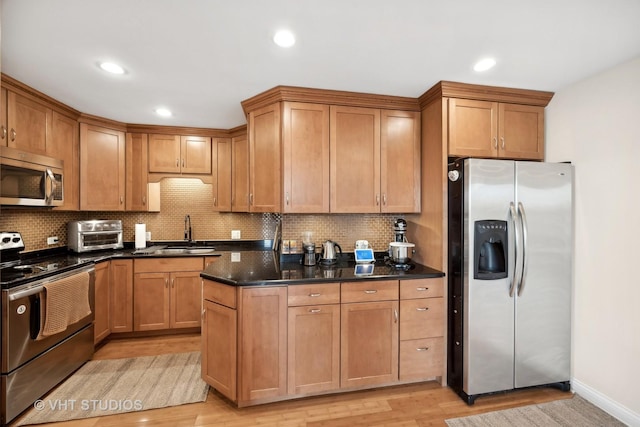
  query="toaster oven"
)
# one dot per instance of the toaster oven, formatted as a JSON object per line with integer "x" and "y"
{"x": 93, "y": 235}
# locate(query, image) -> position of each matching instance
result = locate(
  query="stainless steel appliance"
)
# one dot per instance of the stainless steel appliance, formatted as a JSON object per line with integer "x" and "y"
{"x": 400, "y": 252}
{"x": 93, "y": 235}
{"x": 510, "y": 252}
{"x": 400, "y": 229}
{"x": 28, "y": 179}
{"x": 36, "y": 354}
{"x": 329, "y": 254}
{"x": 309, "y": 257}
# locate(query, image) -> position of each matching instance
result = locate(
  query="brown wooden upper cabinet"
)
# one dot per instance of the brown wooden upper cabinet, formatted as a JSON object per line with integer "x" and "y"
{"x": 29, "y": 124}
{"x": 102, "y": 168}
{"x": 221, "y": 159}
{"x": 305, "y": 149}
{"x": 375, "y": 160}
{"x": 240, "y": 173}
{"x": 495, "y": 129}
{"x": 4, "y": 130}
{"x": 265, "y": 185}
{"x": 179, "y": 154}
{"x": 323, "y": 151}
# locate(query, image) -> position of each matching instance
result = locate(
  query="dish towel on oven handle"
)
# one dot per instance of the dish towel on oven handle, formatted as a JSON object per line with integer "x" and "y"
{"x": 66, "y": 301}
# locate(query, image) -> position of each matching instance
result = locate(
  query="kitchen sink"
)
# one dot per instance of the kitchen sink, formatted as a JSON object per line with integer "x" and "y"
{"x": 185, "y": 250}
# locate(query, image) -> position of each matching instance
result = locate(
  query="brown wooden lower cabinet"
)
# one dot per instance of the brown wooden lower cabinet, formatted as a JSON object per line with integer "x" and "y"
{"x": 308, "y": 339}
{"x": 166, "y": 293}
{"x": 101, "y": 327}
{"x": 121, "y": 281}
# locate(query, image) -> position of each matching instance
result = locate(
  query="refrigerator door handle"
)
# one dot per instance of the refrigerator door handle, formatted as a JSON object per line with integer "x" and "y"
{"x": 515, "y": 220}
{"x": 523, "y": 275}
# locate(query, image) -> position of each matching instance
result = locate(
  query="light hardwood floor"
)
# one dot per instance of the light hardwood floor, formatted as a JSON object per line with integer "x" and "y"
{"x": 426, "y": 404}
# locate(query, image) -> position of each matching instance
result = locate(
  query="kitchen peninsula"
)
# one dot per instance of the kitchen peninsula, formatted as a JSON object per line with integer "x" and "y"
{"x": 274, "y": 331}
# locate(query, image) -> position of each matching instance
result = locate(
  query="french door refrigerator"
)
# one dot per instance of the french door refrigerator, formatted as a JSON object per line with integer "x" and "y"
{"x": 510, "y": 255}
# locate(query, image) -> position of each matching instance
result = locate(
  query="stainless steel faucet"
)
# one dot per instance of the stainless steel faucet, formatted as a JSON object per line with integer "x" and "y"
{"x": 187, "y": 228}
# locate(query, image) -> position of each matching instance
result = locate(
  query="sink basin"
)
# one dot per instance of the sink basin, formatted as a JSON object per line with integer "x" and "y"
{"x": 184, "y": 250}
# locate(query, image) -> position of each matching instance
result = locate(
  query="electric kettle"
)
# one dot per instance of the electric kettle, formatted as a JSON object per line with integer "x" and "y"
{"x": 329, "y": 255}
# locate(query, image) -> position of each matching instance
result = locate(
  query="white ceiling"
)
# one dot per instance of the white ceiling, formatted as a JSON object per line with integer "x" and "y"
{"x": 201, "y": 58}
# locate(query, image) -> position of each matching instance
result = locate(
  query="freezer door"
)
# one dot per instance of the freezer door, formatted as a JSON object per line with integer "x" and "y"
{"x": 543, "y": 315}
{"x": 488, "y": 308}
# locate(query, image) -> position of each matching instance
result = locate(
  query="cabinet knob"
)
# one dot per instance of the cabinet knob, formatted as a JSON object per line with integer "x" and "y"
{"x": 166, "y": 283}
{"x": 177, "y": 163}
{"x": 144, "y": 200}
{"x": 395, "y": 315}
{"x": 182, "y": 162}
{"x": 13, "y": 134}
{"x": 502, "y": 141}
{"x": 121, "y": 199}
{"x": 495, "y": 142}
{"x": 287, "y": 198}
{"x": 215, "y": 201}
{"x": 251, "y": 199}
{"x": 384, "y": 199}
{"x": 377, "y": 199}
{"x": 4, "y": 132}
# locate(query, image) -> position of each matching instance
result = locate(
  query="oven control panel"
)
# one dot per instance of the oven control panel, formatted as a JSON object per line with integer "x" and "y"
{"x": 11, "y": 240}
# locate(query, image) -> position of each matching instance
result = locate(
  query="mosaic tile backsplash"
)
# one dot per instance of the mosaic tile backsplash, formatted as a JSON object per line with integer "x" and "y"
{"x": 181, "y": 197}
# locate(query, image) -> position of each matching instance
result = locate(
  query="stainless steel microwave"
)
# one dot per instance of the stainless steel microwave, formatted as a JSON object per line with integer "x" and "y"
{"x": 28, "y": 179}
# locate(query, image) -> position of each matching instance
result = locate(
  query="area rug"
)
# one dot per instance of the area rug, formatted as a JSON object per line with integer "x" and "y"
{"x": 567, "y": 412}
{"x": 107, "y": 387}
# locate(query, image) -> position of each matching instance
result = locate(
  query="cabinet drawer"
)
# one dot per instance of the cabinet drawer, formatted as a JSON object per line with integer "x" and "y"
{"x": 168, "y": 265}
{"x": 421, "y": 288}
{"x": 421, "y": 318}
{"x": 314, "y": 294}
{"x": 219, "y": 293}
{"x": 421, "y": 359}
{"x": 383, "y": 290}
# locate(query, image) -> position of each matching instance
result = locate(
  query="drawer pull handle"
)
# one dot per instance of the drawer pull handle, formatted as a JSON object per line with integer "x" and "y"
{"x": 370, "y": 291}
{"x": 422, "y": 289}
{"x": 314, "y": 310}
{"x": 422, "y": 348}
{"x": 422, "y": 308}
{"x": 314, "y": 295}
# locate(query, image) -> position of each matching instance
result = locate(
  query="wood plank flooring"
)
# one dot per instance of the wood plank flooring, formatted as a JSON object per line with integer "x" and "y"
{"x": 426, "y": 404}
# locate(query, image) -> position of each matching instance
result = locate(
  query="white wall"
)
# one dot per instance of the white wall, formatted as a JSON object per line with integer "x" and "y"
{"x": 595, "y": 124}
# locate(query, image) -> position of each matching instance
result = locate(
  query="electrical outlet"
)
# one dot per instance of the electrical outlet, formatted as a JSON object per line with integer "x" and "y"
{"x": 235, "y": 234}
{"x": 235, "y": 257}
{"x": 52, "y": 240}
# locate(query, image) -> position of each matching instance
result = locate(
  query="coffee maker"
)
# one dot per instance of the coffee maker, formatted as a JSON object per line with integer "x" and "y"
{"x": 400, "y": 228}
{"x": 309, "y": 249}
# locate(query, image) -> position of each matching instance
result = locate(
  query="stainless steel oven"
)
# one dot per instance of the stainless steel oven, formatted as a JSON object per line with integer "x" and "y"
{"x": 28, "y": 179}
{"x": 93, "y": 235}
{"x": 46, "y": 326}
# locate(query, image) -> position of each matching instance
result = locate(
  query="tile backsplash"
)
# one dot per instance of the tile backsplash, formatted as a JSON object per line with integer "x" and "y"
{"x": 181, "y": 197}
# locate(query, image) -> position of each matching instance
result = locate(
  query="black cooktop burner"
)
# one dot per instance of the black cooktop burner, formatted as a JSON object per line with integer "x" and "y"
{"x": 18, "y": 271}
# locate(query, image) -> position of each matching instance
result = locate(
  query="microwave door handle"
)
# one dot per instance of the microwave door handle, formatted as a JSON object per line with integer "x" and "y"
{"x": 50, "y": 186}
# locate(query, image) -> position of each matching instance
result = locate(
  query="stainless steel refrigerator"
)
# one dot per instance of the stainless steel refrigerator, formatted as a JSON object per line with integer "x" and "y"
{"x": 510, "y": 239}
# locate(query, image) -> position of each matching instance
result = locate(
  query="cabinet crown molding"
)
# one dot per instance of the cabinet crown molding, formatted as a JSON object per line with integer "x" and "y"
{"x": 22, "y": 89}
{"x": 333, "y": 97}
{"x": 447, "y": 89}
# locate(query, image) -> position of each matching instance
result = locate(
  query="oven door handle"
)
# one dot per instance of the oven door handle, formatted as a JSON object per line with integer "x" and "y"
{"x": 25, "y": 292}
{"x": 35, "y": 316}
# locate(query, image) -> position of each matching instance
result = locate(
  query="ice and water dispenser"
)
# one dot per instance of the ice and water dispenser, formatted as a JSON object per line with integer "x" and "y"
{"x": 490, "y": 250}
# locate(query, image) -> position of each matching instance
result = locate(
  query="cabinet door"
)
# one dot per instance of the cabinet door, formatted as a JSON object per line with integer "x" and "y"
{"x": 195, "y": 154}
{"x": 262, "y": 344}
{"x": 265, "y": 179}
{"x": 186, "y": 296}
{"x": 164, "y": 153}
{"x": 400, "y": 161}
{"x": 421, "y": 359}
{"x": 355, "y": 160}
{"x": 64, "y": 145}
{"x": 221, "y": 159}
{"x": 314, "y": 349}
{"x": 240, "y": 174}
{"x": 102, "y": 168}
{"x": 29, "y": 123}
{"x": 121, "y": 295}
{"x": 219, "y": 338}
{"x": 305, "y": 147}
{"x": 473, "y": 128}
{"x": 151, "y": 301}
{"x": 421, "y": 318}
{"x": 369, "y": 353}
{"x": 4, "y": 130}
{"x": 521, "y": 132}
{"x": 137, "y": 171}
{"x": 102, "y": 303}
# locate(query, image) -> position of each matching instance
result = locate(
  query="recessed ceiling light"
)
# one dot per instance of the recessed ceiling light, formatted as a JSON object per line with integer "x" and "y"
{"x": 284, "y": 38}
{"x": 112, "y": 68}
{"x": 164, "y": 112}
{"x": 484, "y": 64}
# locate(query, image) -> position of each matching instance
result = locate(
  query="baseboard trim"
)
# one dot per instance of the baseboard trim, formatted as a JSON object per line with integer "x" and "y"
{"x": 606, "y": 403}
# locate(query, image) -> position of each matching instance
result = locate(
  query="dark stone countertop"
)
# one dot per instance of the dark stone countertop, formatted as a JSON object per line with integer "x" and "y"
{"x": 251, "y": 268}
